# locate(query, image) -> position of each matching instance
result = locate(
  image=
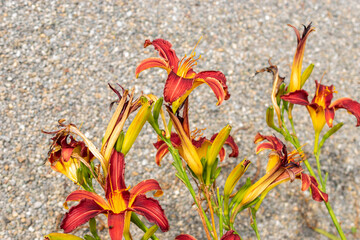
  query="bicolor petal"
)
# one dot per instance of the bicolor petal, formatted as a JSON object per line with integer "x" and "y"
{"x": 350, "y": 105}
{"x": 144, "y": 187}
{"x": 165, "y": 51}
{"x": 151, "y": 63}
{"x": 115, "y": 180}
{"x": 310, "y": 181}
{"x": 82, "y": 194}
{"x": 298, "y": 97}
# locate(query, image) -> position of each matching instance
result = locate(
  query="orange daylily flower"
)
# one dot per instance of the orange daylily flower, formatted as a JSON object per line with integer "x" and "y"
{"x": 321, "y": 109}
{"x": 182, "y": 79}
{"x": 119, "y": 203}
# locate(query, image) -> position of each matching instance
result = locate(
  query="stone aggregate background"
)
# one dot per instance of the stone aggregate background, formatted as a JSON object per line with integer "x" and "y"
{"x": 56, "y": 58}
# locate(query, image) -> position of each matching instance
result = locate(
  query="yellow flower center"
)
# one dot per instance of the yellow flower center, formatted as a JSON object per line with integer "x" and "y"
{"x": 116, "y": 201}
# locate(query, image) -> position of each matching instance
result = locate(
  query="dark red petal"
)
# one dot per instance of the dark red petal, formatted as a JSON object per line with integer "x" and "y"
{"x": 116, "y": 225}
{"x": 185, "y": 237}
{"x": 146, "y": 186}
{"x": 82, "y": 194}
{"x": 231, "y": 142}
{"x": 199, "y": 142}
{"x": 161, "y": 153}
{"x": 329, "y": 116}
{"x": 263, "y": 146}
{"x": 176, "y": 86}
{"x": 325, "y": 93}
{"x": 350, "y": 105}
{"x": 165, "y": 51}
{"x": 116, "y": 176}
{"x": 298, "y": 97}
{"x": 306, "y": 181}
{"x": 230, "y": 235}
{"x": 310, "y": 181}
{"x": 80, "y": 214}
{"x": 151, "y": 209}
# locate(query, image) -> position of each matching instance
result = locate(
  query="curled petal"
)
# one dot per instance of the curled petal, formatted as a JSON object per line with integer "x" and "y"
{"x": 151, "y": 63}
{"x": 217, "y": 82}
{"x": 161, "y": 152}
{"x": 116, "y": 225}
{"x": 298, "y": 97}
{"x": 329, "y": 116}
{"x": 185, "y": 237}
{"x": 176, "y": 86}
{"x": 144, "y": 187}
{"x": 82, "y": 194}
{"x": 116, "y": 177}
{"x": 80, "y": 214}
{"x": 151, "y": 209}
{"x": 352, "y": 106}
{"x": 165, "y": 51}
{"x": 230, "y": 235}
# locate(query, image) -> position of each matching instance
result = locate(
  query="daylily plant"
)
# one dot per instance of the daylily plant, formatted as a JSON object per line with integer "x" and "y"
{"x": 182, "y": 79}
{"x": 321, "y": 109}
{"x": 119, "y": 203}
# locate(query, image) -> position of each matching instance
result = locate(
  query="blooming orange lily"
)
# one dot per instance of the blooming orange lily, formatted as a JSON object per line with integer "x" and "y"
{"x": 119, "y": 203}
{"x": 181, "y": 78}
{"x": 321, "y": 109}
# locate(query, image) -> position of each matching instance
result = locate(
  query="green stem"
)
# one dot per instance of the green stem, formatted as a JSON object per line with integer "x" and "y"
{"x": 254, "y": 223}
{"x": 317, "y": 157}
{"x": 335, "y": 221}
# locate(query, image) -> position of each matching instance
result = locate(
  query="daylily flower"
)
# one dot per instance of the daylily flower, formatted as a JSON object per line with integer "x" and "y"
{"x": 321, "y": 109}
{"x": 182, "y": 79}
{"x": 229, "y": 235}
{"x": 119, "y": 203}
{"x": 281, "y": 167}
{"x": 66, "y": 153}
{"x": 200, "y": 146}
{"x": 296, "y": 81}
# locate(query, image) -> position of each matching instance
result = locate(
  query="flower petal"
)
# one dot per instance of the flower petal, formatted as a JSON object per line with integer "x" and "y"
{"x": 310, "y": 181}
{"x": 298, "y": 97}
{"x": 176, "y": 86}
{"x": 230, "y": 235}
{"x": 80, "y": 214}
{"x": 161, "y": 152}
{"x": 185, "y": 237}
{"x": 116, "y": 225}
{"x": 165, "y": 51}
{"x": 116, "y": 177}
{"x": 329, "y": 116}
{"x": 144, "y": 187}
{"x": 151, "y": 209}
{"x": 217, "y": 82}
{"x": 350, "y": 105}
{"x": 82, "y": 194}
{"x": 151, "y": 63}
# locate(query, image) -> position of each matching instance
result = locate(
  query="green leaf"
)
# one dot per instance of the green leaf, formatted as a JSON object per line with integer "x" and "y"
{"x": 88, "y": 237}
{"x": 119, "y": 142}
{"x": 332, "y": 130}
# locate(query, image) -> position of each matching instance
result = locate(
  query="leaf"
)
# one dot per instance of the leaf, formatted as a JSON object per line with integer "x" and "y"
{"x": 61, "y": 236}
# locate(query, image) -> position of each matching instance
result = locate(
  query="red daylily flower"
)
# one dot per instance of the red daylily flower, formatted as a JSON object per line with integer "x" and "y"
{"x": 65, "y": 154}
{"x": 321, "y": 108}
{"x": 181, "y": 77}
{"x": 201, "y": 145}
{"x": 229, "y": 235}
{"x": 119, "y": 203}
{"x": 281, "y": 167}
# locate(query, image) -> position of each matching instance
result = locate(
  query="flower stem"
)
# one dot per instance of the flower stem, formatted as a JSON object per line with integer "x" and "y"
{"x": 335, "y": 221}
{"x": 254, "y": 223}
{"x": 211, "y": 211}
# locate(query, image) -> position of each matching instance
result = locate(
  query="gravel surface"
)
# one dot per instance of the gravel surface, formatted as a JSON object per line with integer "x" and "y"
{"x": 56, "y": 58}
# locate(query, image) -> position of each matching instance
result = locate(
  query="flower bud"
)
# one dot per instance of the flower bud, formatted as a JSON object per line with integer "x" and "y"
{"x": 217, "y": 145}
{"x": 235, "y": 176}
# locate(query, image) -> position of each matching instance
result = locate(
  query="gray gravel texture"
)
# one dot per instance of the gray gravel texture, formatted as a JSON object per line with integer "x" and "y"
{"x": 56, "y": 58}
